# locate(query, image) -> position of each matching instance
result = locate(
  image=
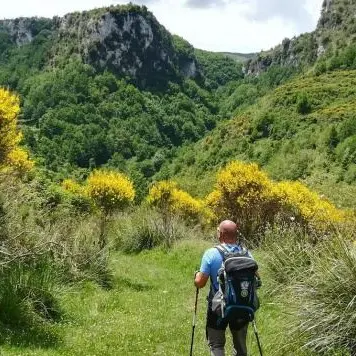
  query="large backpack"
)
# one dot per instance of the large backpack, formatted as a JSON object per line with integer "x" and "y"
{"x": 236, "y": 298}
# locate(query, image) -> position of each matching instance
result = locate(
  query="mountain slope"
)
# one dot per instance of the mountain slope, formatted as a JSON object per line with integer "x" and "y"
{"x": 126, "y": 40}
{"x": 111, "y": 87}
{"x": 305, "y": 129}
{"x": 336, "y": 29}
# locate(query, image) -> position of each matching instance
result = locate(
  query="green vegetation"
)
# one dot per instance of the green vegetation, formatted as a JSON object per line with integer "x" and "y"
{"x": 81, "y": 275}
{"x": 302, "y": 130}
{"x": 143, "y": 313}
{"x": 311, "y": 272}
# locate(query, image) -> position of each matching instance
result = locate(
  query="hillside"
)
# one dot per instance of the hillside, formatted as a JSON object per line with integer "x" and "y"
{"x": 109, "y": 87}
{"x": 112, "y": 87}
{"x": 304, "y": 129}
{"x": 335, "y": 30}
{"x": 125, "y": 40}
{"x": 111, "y": 134}
{"x": 241, "y": 57}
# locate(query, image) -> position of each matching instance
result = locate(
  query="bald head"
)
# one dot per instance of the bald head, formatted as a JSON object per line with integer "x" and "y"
{"x": 228, "y": 231}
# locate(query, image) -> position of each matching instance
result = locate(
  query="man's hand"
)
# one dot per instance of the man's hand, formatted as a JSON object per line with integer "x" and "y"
{"x": 200, "y": 279}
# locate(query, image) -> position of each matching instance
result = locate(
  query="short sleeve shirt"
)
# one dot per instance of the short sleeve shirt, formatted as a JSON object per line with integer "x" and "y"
{"x": 212, "y": 261}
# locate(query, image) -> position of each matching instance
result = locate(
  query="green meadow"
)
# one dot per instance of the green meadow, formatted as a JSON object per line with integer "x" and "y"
{"x": 148, "y": 311}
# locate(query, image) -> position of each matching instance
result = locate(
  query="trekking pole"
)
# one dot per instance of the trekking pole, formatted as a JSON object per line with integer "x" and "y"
{"x": 194, "y": 320}
{"x": 257, "y": 337}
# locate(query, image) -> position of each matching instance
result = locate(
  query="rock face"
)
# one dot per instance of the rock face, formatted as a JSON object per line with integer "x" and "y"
{"x": 22, "y": 31}
{"x": 126, "y": 40}
{"x": 336, "y": 29}
{"x": 131, "y": 43}
{"x": 291, "y": 53}
{"x": 18, "y": 30}
{"x": 329, "y": 16}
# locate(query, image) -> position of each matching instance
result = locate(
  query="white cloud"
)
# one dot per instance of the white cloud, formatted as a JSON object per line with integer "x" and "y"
{"x": 238, "y": 25}
{"x": 204, "y": 3}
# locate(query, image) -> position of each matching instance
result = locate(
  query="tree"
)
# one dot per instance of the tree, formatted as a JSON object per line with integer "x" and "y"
{"x": 110, "y": 191}
{"x": 303, "y": 104}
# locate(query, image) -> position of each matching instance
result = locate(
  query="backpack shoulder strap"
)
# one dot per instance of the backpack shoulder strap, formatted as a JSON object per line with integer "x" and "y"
{"x": 222, "y": 250}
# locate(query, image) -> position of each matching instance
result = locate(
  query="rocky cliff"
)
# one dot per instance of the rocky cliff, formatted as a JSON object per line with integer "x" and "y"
{"x": 22, "y": 31}
{"x": 336, "y": 29}
{"x": 126, "y": 40}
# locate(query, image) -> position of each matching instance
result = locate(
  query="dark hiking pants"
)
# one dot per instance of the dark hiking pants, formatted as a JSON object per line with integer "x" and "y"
{"x": 215, "y": 335}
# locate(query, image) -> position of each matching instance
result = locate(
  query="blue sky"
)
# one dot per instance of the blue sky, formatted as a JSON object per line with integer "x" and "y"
{"x": 216, "y": 25}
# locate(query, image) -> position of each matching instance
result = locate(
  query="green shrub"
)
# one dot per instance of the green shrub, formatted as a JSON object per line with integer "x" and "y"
{"x": 28, "y": 291}
{"x": 144, "y": 229}
{"x": 326, "y": 298}
{"x": 303, "y": 105}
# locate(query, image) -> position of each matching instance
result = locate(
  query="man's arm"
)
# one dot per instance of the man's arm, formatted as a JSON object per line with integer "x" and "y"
{"x": 201, "y": 279}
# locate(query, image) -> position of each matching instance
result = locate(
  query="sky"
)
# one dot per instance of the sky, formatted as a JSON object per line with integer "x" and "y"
{"x": 217, "y": 25}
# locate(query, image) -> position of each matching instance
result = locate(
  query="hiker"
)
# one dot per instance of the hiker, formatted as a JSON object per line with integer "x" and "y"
{"x": 210, "y": 265}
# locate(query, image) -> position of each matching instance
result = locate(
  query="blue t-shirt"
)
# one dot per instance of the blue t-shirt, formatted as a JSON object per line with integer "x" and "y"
{"x": 212, "y": 261}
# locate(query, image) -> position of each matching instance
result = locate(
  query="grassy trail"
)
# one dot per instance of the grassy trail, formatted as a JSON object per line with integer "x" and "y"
{"x": 148, "y": 312}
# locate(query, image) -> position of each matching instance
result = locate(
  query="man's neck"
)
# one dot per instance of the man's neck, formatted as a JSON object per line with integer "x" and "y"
{"x": 230, "y": 242}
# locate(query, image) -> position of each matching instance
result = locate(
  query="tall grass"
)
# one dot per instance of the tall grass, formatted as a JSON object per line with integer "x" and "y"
{"x": 316, "y": 279}
{"x": 327, "y": 298}
{"x": 44, "y": 245}
{"x": 287, "y": 253}
{"x": 28, "y": 289}
{"x": 144, "y": 229}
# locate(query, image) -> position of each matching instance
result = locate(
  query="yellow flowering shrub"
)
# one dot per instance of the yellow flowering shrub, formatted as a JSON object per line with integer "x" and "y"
{"x": 160, "y": 194}
{"x": 73, "y": 187}
{"x": 244, "y": 193}
{"x": 166, "y": 196}
{"x": 308, "y": 206}
{"x": 110, "y": 191}
{"x": 9, "y": 136}
{"x": 18, "y": 159}
{"x": 185, "y": 205}
{"x": 10, "y": 154}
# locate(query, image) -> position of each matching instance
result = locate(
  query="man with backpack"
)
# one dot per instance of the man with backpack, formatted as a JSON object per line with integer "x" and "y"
{"x": 232, "y": 298}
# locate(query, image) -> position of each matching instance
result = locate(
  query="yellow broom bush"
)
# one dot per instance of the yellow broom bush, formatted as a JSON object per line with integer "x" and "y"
{"x": 9, "y": 136}
{"x": 185, "y": 205}
{"x": 160, "y": 195}
{"x": 170, "y": 200}
{"x": 308, "y": 206}
{"x": 74, "y": 188}
{"x": 18, "y": 159}
{"x": 10, "y": 154}
{"x": 110, "y": 191}
{"x": 246, "y": 194}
